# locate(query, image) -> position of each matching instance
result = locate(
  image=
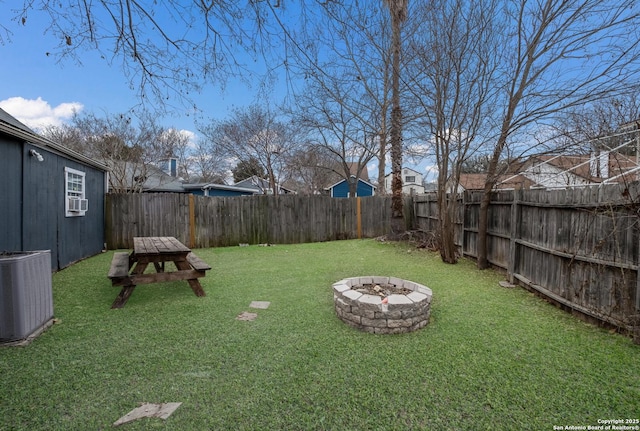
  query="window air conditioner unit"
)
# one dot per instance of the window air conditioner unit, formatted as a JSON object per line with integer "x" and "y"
{"x": 78, "y": 205}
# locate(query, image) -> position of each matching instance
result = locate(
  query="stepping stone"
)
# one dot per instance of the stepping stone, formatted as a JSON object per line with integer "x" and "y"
{"x": 260, "y": 304}
{"x": 147, "y": 410}
{"x": 245, "y": 315}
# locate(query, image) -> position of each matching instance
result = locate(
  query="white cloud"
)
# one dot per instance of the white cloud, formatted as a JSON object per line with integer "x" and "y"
{"x": 372, "y": 169}
{"x": 38, "y": 113}
{"x": 431, "y": 173}
{"x": 188, "y": 135}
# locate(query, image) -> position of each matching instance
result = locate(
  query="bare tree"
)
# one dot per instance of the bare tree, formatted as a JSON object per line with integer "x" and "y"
{"x": 164, "y": 48}
{"x": 253, "y": 132}
{"x": 177, "y": 144}
{"x": 557, "y": 54}
{"x": 454, "y": 63}
{"x": 66, "y": 135}
{"x": 130, "y": 146}
{"x": 334, "y": 130}
{"x": 600, "y": 123}
{"x": 311, "y": 169}
{"x": 208, "y": 163}
{"x": 343, "y": 54}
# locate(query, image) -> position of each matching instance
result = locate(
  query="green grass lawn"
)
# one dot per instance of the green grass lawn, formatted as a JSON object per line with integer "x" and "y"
{"x": 491, "y": 358}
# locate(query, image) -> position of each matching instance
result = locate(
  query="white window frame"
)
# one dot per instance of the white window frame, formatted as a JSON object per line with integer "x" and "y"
{"x": 71, "y": 177}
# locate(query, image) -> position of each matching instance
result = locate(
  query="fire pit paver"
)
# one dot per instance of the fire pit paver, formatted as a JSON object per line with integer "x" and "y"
{"x": 379, "y": 312}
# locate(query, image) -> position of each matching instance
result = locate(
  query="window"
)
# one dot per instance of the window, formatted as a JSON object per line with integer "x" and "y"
{"x": 410, "y": 179}
{"x": 74, "y": 190}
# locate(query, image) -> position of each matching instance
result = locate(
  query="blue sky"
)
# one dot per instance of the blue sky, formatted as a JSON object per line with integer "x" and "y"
{"x": 40, "y": 89}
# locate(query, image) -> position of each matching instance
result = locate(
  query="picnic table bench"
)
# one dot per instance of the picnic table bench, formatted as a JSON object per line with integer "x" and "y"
{"x": 128, "y": 269}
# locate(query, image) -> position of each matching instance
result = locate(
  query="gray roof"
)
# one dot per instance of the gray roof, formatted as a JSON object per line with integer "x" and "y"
{"x": 260, "y": 184}
{"x": 5, "y": 117}
{"x": 145, "y": 177}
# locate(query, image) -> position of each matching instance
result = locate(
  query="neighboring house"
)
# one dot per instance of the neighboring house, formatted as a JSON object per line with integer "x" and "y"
{"x": 169, "y": 166}
{"x": 469, "y": 182}
{"x": 210, "y": 189}
{"x": 130, "y": 177}
{"x": 412, "y": 182}
{"x": 341, "y": 188}
{"x": 560, "y": 171}
{"x": 579, "y": 170}
{"x": 52, "y": 198}
{"x": 262, "y": 186}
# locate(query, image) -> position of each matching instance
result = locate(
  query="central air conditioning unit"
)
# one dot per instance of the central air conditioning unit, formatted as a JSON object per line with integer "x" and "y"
{"x": 26, "y": 298}
{"x": 78, "y": 205}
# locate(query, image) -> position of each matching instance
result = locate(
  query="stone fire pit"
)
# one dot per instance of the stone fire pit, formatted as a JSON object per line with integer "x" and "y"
{"x": 382, "y": 305}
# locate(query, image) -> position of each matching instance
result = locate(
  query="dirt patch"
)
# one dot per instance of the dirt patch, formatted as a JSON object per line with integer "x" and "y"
{"x": 382, "y": 290}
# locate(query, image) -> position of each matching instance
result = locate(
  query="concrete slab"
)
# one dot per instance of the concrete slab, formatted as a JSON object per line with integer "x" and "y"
{"x": 245, "y": 315}
{"x": 263, "y": 305}
{"x": 147, "y": 410}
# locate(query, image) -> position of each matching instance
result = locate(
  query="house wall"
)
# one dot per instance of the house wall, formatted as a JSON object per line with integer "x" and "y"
{"x": 408, "y": 188}
{"x": 80, "y": 237}
{"x": 11, "y": 180}
{"x": 219, "y": 192}
{"x": 551, "y": 176}
{"x": 33, "y": 209}
{"x": 412, "y": 189}
{"x": 341, "y": 190}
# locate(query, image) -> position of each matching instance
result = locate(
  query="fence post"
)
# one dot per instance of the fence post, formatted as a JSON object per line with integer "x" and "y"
{"x": 636, "y": 320}
{"x": 108, "y": 221}
{"x": 511, "y": 265}
{"x": 192, "y": 221}
{"x": 359, "y": 217}
{"x": 463, "y": 204}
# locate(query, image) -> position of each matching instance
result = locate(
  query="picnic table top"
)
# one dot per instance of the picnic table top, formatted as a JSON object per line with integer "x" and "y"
{"x": 158, "y": 245}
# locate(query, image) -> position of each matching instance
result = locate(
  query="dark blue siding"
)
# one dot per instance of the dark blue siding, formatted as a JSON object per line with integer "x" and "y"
{"x": 83, "y": 236}
{"x": 220, "y": 192}
{"x": 41, "y": 203}
{"x": 341, "y": 190}
{"x": 364, "y": 189}
{"x": 33, "y": 205}
{"x": 11, "y": 195}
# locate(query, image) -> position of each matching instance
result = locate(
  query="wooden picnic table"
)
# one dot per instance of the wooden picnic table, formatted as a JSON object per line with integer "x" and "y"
{"x": 128, "y": 269}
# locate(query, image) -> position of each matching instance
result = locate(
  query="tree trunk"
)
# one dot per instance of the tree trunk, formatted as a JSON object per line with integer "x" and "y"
{"x": 447, "y": 244}
{"x": 398, "y": 10}
{"x": 382, "y": 154}
{"x": 489, "y": 184}
{"x": 353, "y": 187}
{"x": 397, "y": 218}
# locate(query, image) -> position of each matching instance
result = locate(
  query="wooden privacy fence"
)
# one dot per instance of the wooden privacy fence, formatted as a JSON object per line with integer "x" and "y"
{"x": 200, "y": 221}
{"x": 578, "y": 247}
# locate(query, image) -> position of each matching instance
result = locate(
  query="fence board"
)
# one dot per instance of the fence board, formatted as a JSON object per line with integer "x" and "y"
{"x": 579, "y": 247}
{"x": 227, "y": 221}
